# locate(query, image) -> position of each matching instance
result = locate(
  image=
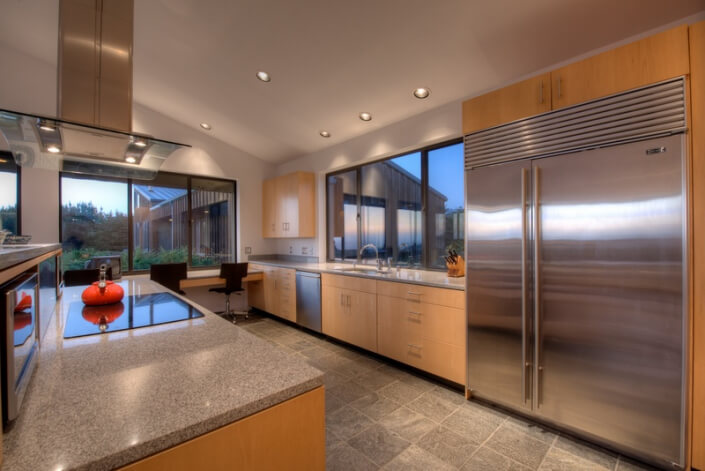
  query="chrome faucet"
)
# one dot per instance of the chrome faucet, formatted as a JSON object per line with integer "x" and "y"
{"x": 377, "y": 260}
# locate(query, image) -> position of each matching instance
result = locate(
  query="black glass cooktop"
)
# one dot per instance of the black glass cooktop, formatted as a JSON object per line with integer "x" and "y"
{"x": 131, "y": 313}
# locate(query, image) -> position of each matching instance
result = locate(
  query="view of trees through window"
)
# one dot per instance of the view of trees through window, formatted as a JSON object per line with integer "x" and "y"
{"x": 9, "y": 218}
{"x": 410, "y": 207}
{"x": 95, "y": 223}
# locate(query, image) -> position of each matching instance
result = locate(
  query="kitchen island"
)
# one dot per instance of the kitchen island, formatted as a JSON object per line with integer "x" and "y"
{"x": 105, "y": 401}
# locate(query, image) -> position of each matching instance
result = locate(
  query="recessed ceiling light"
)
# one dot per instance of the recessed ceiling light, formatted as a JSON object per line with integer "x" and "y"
{"x": 206, "y": 126}
{"x": 324, "y": 134}
{"x": 54, "y": 149}
{"x": 365, "y": 116}
{"x": 422, "y": 92}
{"x": 264, "y": 76}
{"x": 140, "y": 143}
{"x": 130, "y": 160}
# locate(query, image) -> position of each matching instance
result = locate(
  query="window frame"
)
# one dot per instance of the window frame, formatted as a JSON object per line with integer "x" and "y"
{"x": 426, "y": 245}
{"x": 129, "y": 270}
{"x": 8, "y": 155}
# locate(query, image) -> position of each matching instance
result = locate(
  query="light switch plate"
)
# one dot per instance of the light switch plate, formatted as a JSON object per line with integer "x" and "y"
{"x": 248, "y": 250}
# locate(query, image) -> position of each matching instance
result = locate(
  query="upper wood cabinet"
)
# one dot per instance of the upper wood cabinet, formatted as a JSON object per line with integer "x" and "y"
{"x": 289, "y": 206}
{"x": 650, "y": 60}
{"x": 520, "y": 100}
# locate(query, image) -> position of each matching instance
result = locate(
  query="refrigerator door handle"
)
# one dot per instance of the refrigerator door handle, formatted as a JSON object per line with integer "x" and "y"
{"x": 524, "y": 287}
{"x": 537, "y": 286}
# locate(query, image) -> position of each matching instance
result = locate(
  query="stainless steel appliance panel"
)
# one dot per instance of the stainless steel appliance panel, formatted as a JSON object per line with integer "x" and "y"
{"x": 610, "y": 284}
{"x": 498, "y": 283}
{"x": 19, "y": 340}
{"x": 308, "y": 300}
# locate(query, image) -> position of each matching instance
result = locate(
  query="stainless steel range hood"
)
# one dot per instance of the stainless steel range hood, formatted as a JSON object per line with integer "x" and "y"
{"x": 58, "y": 144}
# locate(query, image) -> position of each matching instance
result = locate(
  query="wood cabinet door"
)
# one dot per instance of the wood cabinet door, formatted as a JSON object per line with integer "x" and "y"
{"x": 520, "y": 100}
{"x": 306, "y": 203}
{"x": 361, "y": 320}
{"x": 332, "y": 307}
{"x": 269, "y": 213}
{"x": 290, "y": 205}
{"x": 271, "y": 295}
{"x": 650, "y": 60}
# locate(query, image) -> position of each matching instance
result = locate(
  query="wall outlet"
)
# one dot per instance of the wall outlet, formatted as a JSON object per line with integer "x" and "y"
{"x": 304, "y": 250}
{"x": 291, "y": 250}
{"x": 248, "y": 250}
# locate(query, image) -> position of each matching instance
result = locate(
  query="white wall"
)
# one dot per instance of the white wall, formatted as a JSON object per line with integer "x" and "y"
{"x": 29, "y": 84}
{"x": 437, "y": 125}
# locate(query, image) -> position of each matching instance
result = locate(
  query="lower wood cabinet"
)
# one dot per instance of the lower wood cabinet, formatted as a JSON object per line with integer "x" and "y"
{"x": 350, "y": 314}
{"x": 276, "y": 293}
{"x": 430, "y": 337}
{"x": 289, "y": 435}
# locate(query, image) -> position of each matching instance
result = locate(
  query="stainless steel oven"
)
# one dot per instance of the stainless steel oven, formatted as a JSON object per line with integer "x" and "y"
{"x": 20, "y": 299}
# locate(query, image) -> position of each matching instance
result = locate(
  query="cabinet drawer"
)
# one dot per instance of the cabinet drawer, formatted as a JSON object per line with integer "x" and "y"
{"x": 423, "y": 294}
{"x": 438, "y": 358}
{"x": 431, "y": 321}
{"x": 354, "y": 283}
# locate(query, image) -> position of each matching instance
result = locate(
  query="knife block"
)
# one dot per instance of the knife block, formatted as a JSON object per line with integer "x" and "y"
{"x": 457, "y": 269}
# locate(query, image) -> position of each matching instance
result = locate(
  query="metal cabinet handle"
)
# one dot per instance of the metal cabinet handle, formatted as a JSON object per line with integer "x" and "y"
{"x": 411, "y": 345}
{"x": 524, "y": 282}
{"x": 413, "y": 293}
{"x": 415, "y": 313}
{"x": 537, "y": 285}
{"x": 273, "y": 227}
{"x": 541, "y": 93}
{"x": 559, "y": 87}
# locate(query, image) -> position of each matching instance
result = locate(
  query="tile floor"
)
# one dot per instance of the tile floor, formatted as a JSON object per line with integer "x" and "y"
{"x": 380, "y": 416}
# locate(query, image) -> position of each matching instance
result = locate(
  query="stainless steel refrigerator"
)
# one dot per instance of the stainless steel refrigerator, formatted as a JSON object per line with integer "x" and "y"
{"x": 577, "y": 271}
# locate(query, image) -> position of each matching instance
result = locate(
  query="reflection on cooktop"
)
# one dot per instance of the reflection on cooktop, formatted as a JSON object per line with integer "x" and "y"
{"x": 132, "y": 312}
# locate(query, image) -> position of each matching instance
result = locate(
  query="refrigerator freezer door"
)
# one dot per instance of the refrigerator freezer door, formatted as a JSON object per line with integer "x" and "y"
{"x": 610, "y": 317}
{"x": 498, "y": 278}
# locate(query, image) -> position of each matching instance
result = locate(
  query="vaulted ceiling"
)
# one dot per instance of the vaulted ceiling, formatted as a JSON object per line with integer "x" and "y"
{"x": 195, "y": 60}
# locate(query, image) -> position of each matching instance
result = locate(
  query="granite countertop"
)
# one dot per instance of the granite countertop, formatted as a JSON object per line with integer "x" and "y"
{"x": 14, "y": 254}
{"x": 103, "y": 401}
{"x": 434, "y": 278}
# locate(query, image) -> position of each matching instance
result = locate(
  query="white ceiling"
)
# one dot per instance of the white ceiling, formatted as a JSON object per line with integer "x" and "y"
{"x": 195, "y": 60}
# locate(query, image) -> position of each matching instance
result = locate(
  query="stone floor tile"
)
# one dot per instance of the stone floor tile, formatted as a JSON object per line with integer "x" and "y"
{"x": 518, "y": 445}
{"x": 333, "y": 403}
{"x": 628, "y": 464}
{"x": 378, "y": 444}
{"x": 472, "y": 424}
{"x": 347, "y": 422}
{"x": 331, "y": 379}
{"x": 447, "y": 446}
{"x": 559, "y": 460}
{"x": 353, "y": 368}
{"x": 375, "y": 406}
{"x": 315, "y": 352}
{"x": 536, "y": 431}
{"x": 407, "y": 424}
{"x": 417, "y": 382}
{"x": 400, "y": 392}
{"x": 349, "y": 391}
{"x": 488, "y": 460}
{"x": 343, "y": 457}
{"x": 601, "y": 457}
{"x": 417, "y": 459}
{"x": 433, "y": 405}
{"x": 375, "y": 379}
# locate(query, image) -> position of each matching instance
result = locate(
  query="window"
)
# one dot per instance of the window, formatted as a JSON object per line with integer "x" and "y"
{"x": 173, "y": 218}
{"x": 410, "y": 207}
{"x": 446, "y": 215}
{"x": 160, "y": 221}
{"x": 93, "y": 220}
{"x": 9, "y": 194}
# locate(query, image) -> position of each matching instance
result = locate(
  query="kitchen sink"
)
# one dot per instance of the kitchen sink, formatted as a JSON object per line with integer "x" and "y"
{"x": 363, "y": 270}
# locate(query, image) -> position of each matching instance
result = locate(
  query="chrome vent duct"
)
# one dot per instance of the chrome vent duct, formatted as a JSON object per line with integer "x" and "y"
{"x": 651, "y": 111}
{"x": 57, "y": 144}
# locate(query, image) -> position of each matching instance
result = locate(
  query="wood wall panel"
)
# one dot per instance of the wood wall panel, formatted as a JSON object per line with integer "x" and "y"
{"x": 697, "y": 129}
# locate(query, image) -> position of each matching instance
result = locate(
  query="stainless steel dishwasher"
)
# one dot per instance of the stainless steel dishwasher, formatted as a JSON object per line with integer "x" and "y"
{"x": 308, "y": 300}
